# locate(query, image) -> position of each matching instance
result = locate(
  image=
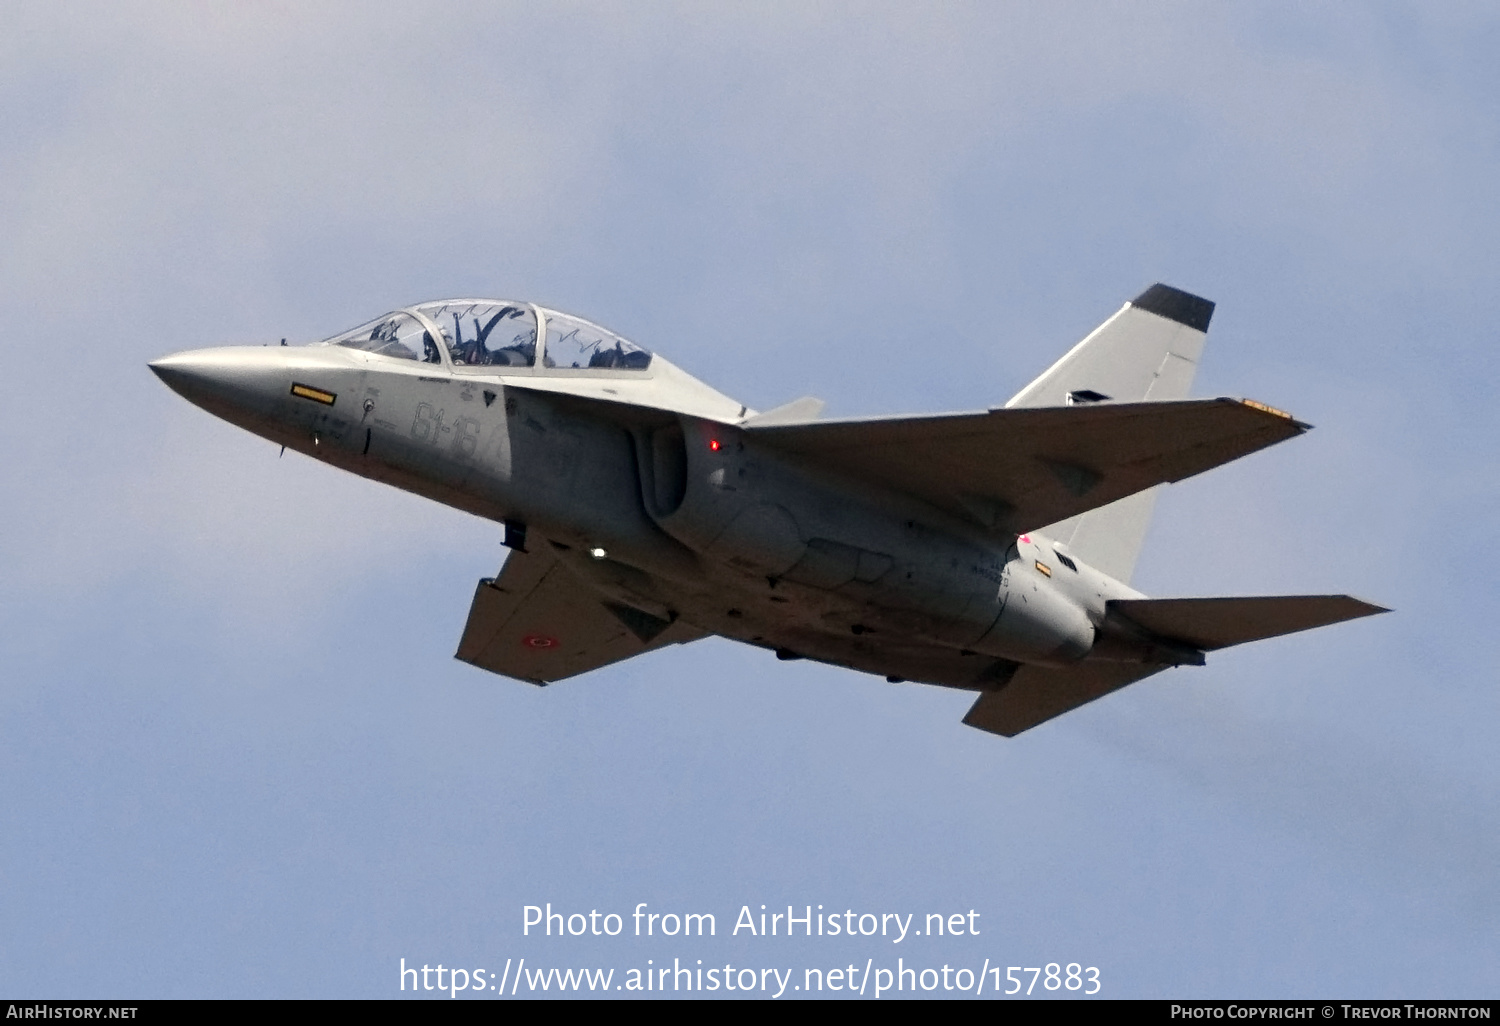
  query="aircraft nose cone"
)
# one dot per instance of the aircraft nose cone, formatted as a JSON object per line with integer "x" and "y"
{"x": 236, "y": 383}
{"x": 181, "y": 371}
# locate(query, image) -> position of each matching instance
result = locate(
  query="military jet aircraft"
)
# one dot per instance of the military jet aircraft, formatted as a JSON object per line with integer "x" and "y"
{"x": 989, "y": 551}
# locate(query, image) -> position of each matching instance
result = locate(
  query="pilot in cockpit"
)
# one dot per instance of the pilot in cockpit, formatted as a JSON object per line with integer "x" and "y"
{"x": 476, "y": 350}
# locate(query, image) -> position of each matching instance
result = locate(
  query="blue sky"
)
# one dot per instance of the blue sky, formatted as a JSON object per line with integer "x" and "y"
{"x": 238, "y": 757}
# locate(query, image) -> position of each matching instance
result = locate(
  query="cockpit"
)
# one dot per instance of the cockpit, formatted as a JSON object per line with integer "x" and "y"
{"x": 493, "y": 334}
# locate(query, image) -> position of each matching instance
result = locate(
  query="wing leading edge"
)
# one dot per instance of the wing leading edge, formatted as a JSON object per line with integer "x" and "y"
{"x": 539, "y": 623}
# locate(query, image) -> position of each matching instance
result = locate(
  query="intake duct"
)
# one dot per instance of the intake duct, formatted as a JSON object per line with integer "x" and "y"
{"x": 662, "y": 456}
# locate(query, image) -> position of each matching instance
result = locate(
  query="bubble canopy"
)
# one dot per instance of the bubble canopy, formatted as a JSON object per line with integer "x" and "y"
{"x": 491, "y": 334}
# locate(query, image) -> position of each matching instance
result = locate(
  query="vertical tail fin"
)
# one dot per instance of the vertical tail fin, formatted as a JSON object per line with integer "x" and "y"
{"x": 1147, "y": 351}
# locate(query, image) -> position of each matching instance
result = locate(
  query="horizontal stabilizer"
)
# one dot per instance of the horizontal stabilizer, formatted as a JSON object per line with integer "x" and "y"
{"x": 1020, "y": 469}
{"x": 1038, "y": 693}
{"x": 539, "y": 622}
{"x": 1210, "y": 623}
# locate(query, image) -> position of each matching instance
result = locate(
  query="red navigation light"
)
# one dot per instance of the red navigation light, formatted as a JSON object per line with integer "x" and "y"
{"x": 713, "y": 443}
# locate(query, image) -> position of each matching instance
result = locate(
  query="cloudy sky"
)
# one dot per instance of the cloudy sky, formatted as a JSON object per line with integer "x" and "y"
{"x": 238, "y": 757}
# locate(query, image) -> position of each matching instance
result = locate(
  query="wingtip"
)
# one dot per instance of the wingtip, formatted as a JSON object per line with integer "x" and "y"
{"x": 1358, "y": 608}
{"x": 1301, "y": 425}
{"x": 1176, "y": 305}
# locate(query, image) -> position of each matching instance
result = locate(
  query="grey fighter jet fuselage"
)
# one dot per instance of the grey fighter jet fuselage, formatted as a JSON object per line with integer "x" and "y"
{"x": 987, "y": 551}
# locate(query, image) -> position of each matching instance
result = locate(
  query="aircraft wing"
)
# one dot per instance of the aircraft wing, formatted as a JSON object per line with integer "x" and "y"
{"x": 1020, "y": 469}
{"x": 540, "y": 623}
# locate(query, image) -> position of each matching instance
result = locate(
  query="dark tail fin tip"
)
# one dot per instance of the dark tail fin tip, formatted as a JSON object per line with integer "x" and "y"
{"x": 1176, "y": 305}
